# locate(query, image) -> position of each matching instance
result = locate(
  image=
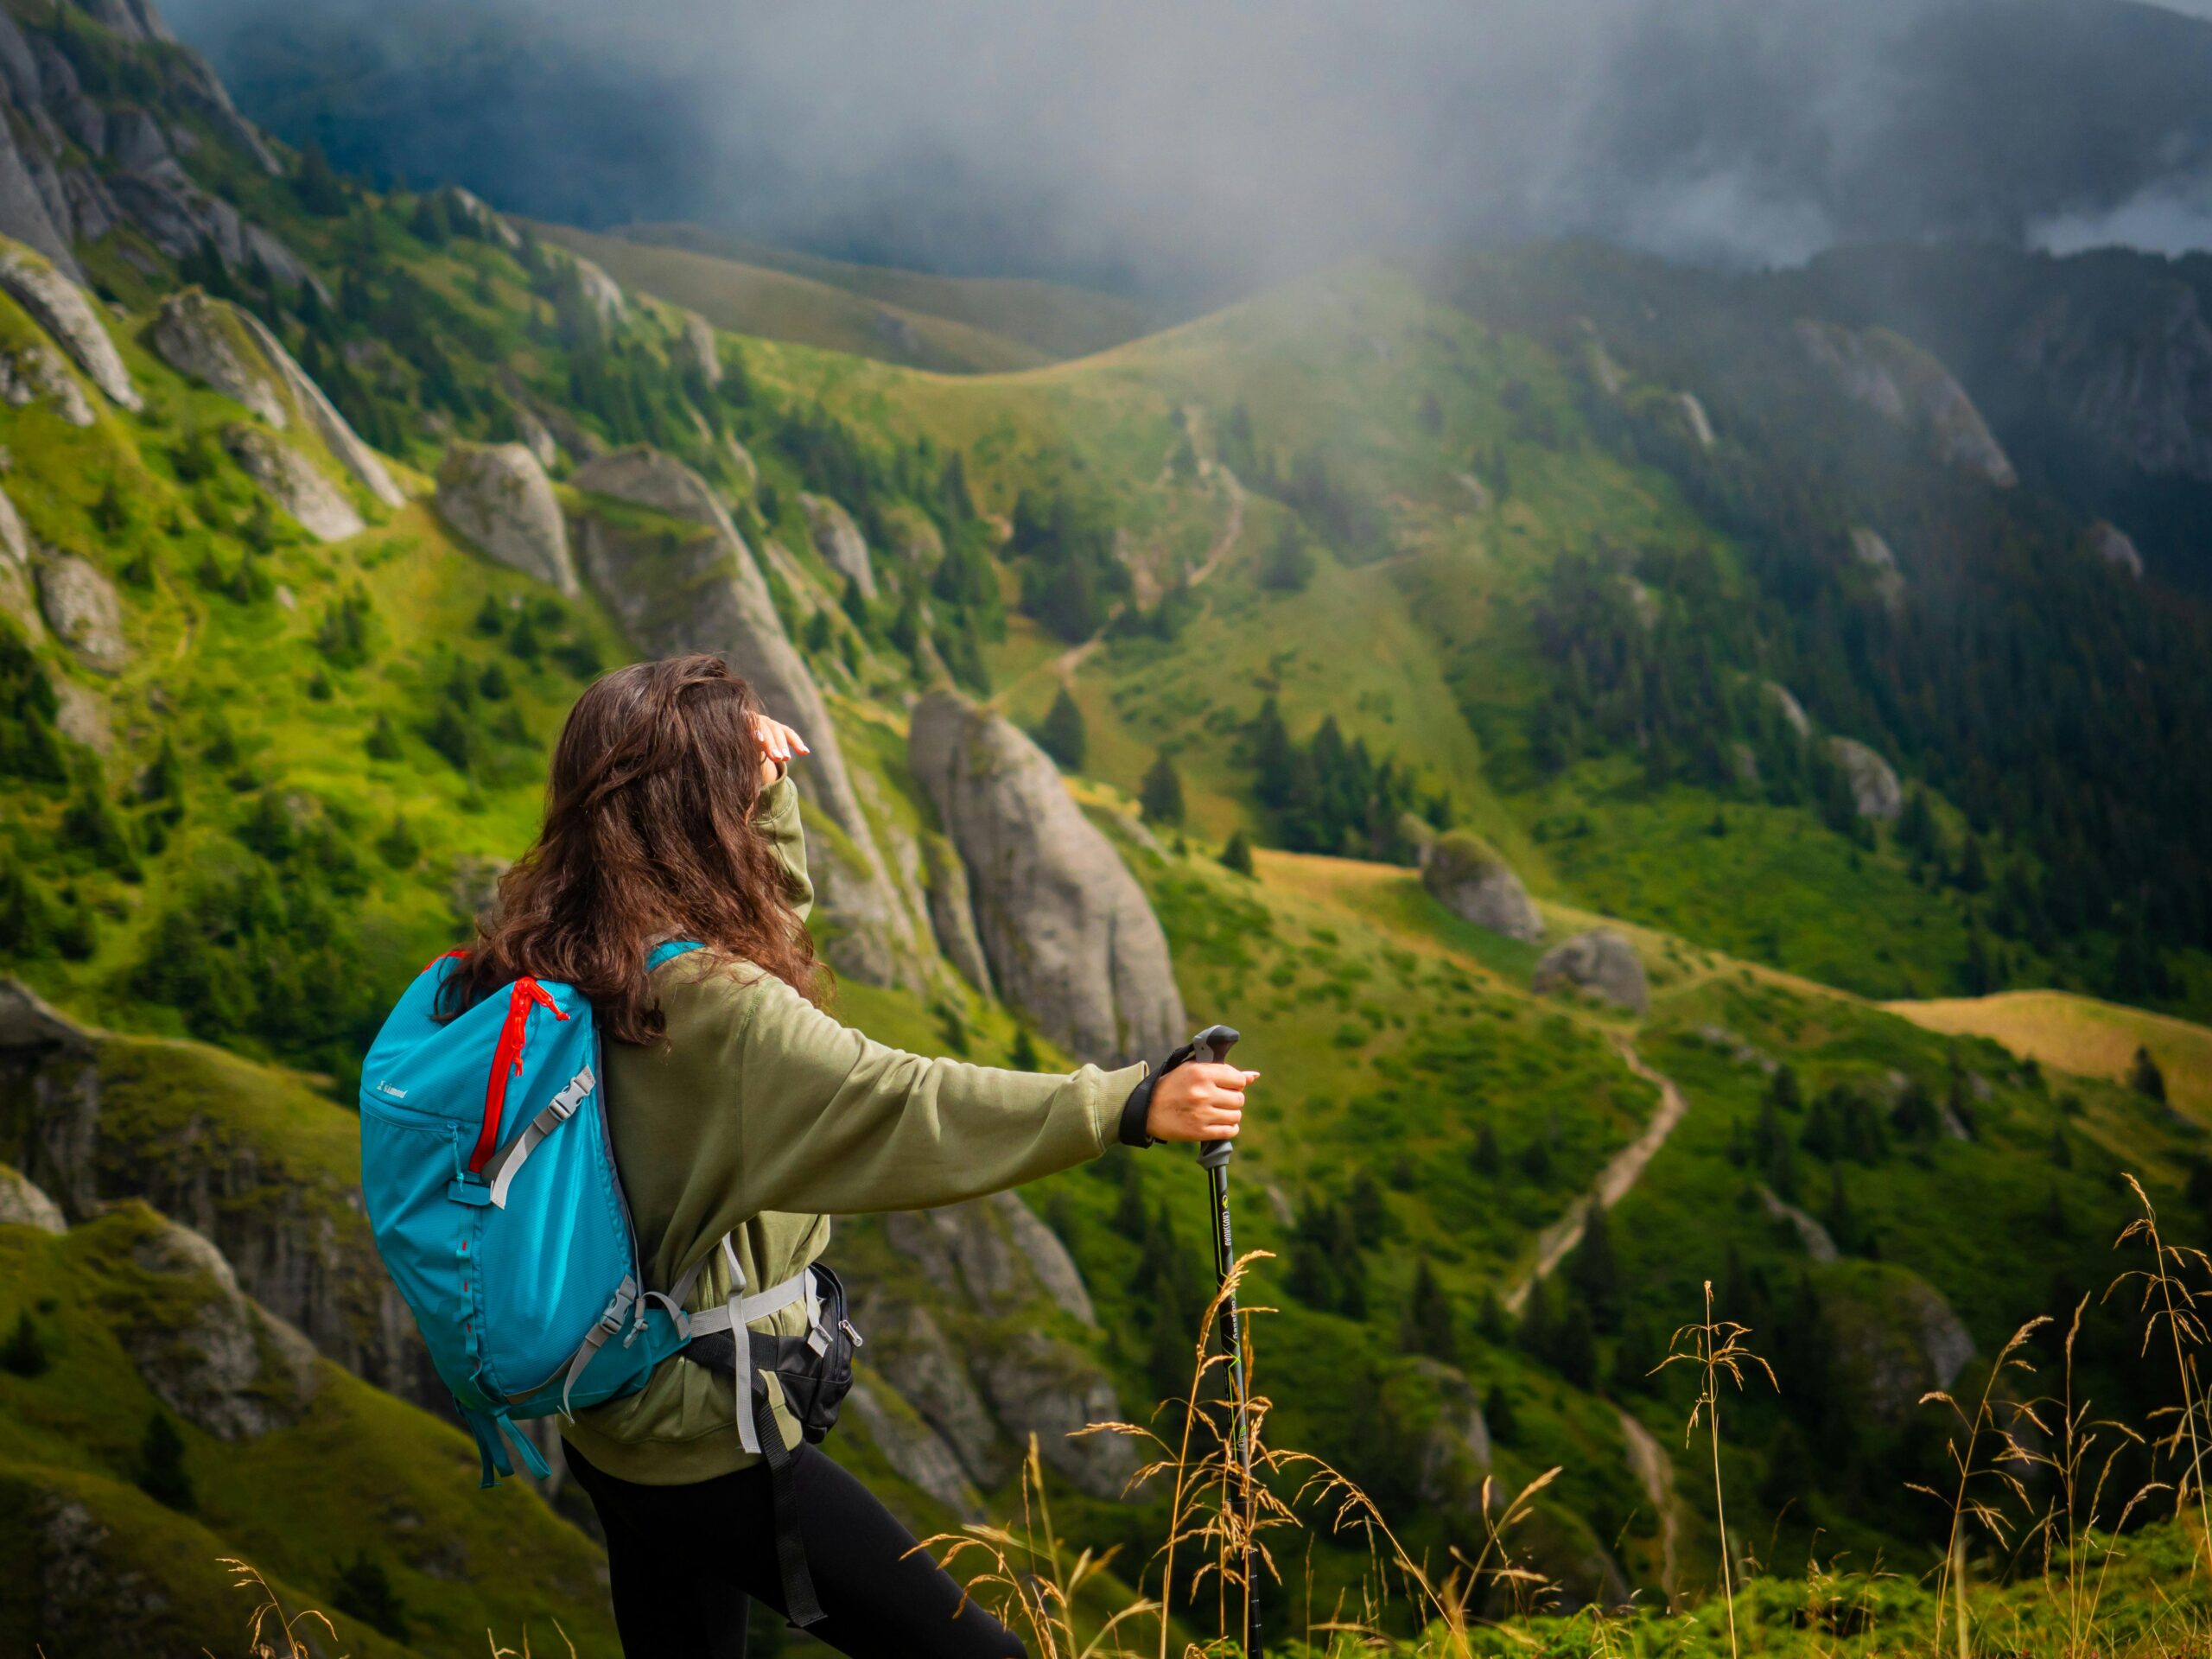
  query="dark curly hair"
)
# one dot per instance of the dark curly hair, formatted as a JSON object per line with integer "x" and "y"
{"x": 648, "y": 835}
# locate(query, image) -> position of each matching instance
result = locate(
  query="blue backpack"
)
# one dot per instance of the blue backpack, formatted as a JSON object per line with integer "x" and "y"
{"x": 489, "y": 1175}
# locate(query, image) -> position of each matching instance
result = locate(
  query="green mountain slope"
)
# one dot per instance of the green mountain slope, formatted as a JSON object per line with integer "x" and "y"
{"x": 798, "y": 305}
{"x": 1057, "y": 320}
{"x": 1388, "y": 551}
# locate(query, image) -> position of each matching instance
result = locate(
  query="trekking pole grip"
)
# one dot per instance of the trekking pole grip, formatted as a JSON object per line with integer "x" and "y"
{"x": 1213, "y": 1044}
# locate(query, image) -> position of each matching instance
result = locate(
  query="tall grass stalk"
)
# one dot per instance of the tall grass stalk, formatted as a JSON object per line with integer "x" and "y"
{"x": 1716, "y": 1348}
{"x": 2175, "y": 1308}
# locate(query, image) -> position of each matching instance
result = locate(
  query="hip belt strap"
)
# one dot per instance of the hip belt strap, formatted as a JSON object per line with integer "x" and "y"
{"x": 740, "y": 1311}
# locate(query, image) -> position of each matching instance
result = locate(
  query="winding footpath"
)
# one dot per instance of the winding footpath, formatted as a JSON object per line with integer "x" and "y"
{"x": 1655, "y": 1471}
{"x": 1615, "y": 1181}
{"x": 1066, "y": 665}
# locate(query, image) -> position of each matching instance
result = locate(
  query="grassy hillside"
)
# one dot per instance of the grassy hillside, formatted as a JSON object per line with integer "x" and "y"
{"x": 784, "y": 304}
{"x": 1059, "y": 320}
{"x": 2081, "y": 1035}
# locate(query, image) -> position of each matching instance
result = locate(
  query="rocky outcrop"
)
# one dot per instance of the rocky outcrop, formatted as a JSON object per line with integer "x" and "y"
{"x": 60, "y": 308}
{"x": 1908, "y": 387}
{"x": 915, "y": 1452}
{"x": 22, "y": 1205}
{"x": 1464, "y": 874}
{"x": 204, "y": 1349}
{"x": 94, "y": 1118}
{"x": 1070, "y": 939}
{"x": 80, "y": 715}
{"x": 1875, "y": 556}
{"x": 478, "y": 213}
{"x": 702, "y": 592}
{"x": 694, "y": 350}
{"x": 1875, "y": 792}
{"x": 1694, "y": 416}
{"x": 204, "y": 339}
{"x": 839, "y": 541}
{"x": 952, "y": 913}
{"x": 34, "y": 371}
{"x": 81, "y": 608}
{"x": 742, "y": 464}
{"x": 1439, "y": 1437}
{"x": 1600, "y": 964}
{"x": 1787, "y": 706}
{"x": 906, "y": 1345}
{"x": 1042, "y": 1388}
{"x": 2133, "y": 378}
{"x": 535, "y": 437}
{"x": 498, "y": 498}
{"x": 321, "y": 415}
{"x": 995, "y": 1253}
{"x": 1896, "y": 1336}
{"x": 18, "y": 597}
{"x": 2116, "y": 547}
{"x": 600, "y": 291}
{"x": 129, "y": 20}
{"x": 311, "y": 500}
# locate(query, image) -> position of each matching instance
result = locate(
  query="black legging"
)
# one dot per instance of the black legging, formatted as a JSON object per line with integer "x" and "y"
{"x": 683, "y": 1560}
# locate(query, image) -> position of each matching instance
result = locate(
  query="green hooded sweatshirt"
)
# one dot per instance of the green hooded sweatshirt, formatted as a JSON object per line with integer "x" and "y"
{"x": 762, "y": 1116}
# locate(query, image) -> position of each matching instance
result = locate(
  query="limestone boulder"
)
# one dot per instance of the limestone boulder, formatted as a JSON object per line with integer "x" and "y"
{"x": 34, "y": 372}
{"x": 837, "y": 539}
{"x": 22, "y": 1205}
{"x": 1070, "y": 939}
{"x": 498, "y": 498}
{"x": 2116, "y": 547}
{"x": 81, "y": 608}
{"x": 1786, "y": 704}
{"x": 63, "y": 308}
{"x": 205, "y": 1350}
{"x": 204, "y": 339}
{"x": 1601, "y": 963}
{"x": 1467, "y": 876}
{"x": 1044, "y": 1388}
{"x": 1875, "y": 791}
{"x": 916, "y": 1452}
{"x": 293, "y": 482}
{"x": 323, "y": 417}
{"x": 952, "y": 913}
{"x": 910, "y": 1349}
{"x": 694, "y": 350}
{"x": 1906, "y": 386}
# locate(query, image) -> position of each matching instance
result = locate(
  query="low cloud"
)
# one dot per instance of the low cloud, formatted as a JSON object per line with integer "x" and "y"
{"x": 1203, "y": 145}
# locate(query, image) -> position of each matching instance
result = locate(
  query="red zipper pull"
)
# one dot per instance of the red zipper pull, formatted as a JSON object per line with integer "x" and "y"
{"x": 506, "y": 1062}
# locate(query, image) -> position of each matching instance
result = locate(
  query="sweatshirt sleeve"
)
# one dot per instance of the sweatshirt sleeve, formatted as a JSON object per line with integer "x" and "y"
{"x": 777, "y": 818}
{"x": 834, "y": 1124}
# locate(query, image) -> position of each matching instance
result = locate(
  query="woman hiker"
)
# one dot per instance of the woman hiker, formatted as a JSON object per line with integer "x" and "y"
{"x": 738, "y": 1107}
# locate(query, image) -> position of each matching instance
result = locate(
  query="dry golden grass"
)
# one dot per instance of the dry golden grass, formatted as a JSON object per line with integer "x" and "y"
{"x": 2033, "y": 1487}
{"x": 2081, "y": 1035}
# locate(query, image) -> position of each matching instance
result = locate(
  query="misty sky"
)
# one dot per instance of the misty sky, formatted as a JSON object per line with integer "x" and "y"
{"x": 1205, "y": 144}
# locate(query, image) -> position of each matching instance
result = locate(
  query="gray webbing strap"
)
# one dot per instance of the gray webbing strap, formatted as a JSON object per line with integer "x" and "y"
{"x": 610, "y": 1325}
{"x": 500, "y": 1172}
{"x": 742, "y": 1346}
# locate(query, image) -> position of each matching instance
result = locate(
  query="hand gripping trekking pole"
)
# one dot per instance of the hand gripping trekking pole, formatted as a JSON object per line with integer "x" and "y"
{"x": 1213, "y": 1044}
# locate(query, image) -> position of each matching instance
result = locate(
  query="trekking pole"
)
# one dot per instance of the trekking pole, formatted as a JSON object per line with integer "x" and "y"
{"x": 1214, "y": 1044}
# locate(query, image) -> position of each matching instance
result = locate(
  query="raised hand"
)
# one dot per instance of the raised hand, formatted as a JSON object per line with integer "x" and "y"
{"x": 1199, "y": 1101}
{"x": 779, "y": 746}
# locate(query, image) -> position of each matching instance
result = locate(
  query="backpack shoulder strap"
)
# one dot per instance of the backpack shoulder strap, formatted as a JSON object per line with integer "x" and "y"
{"x": 669, "y": 951}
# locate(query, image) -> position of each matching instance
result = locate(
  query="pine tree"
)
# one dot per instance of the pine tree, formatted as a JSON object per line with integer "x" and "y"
{"x": 1636, "y": 1356}
{"x": 1499, "y": 1417}
{"x": 398, "y": 846}
{"x": 1130, "y": 1219}
{"x": 1427, "y": 1327}
{"x": 383, "y": 742}
{"x": 24, "y": 1352}
{"x": 1237, "y": 853}
{"x": 1022, "y": 1057}
{"x": 1575, "y": 1347}
{"x": 2145, "y": 1077}
{"x": 1062, "y": 735}
{"x": 162, "y": 1474}
{"x": 1484, "y": 1157}
{"x": 365, "y": 1591}
{"x": 1161, "y": 795}
{"x": 1593, "y": 1271}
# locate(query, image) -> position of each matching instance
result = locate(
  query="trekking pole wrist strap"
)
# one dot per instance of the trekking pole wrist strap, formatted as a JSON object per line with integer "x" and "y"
{"x": 1137, "y": 1107}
